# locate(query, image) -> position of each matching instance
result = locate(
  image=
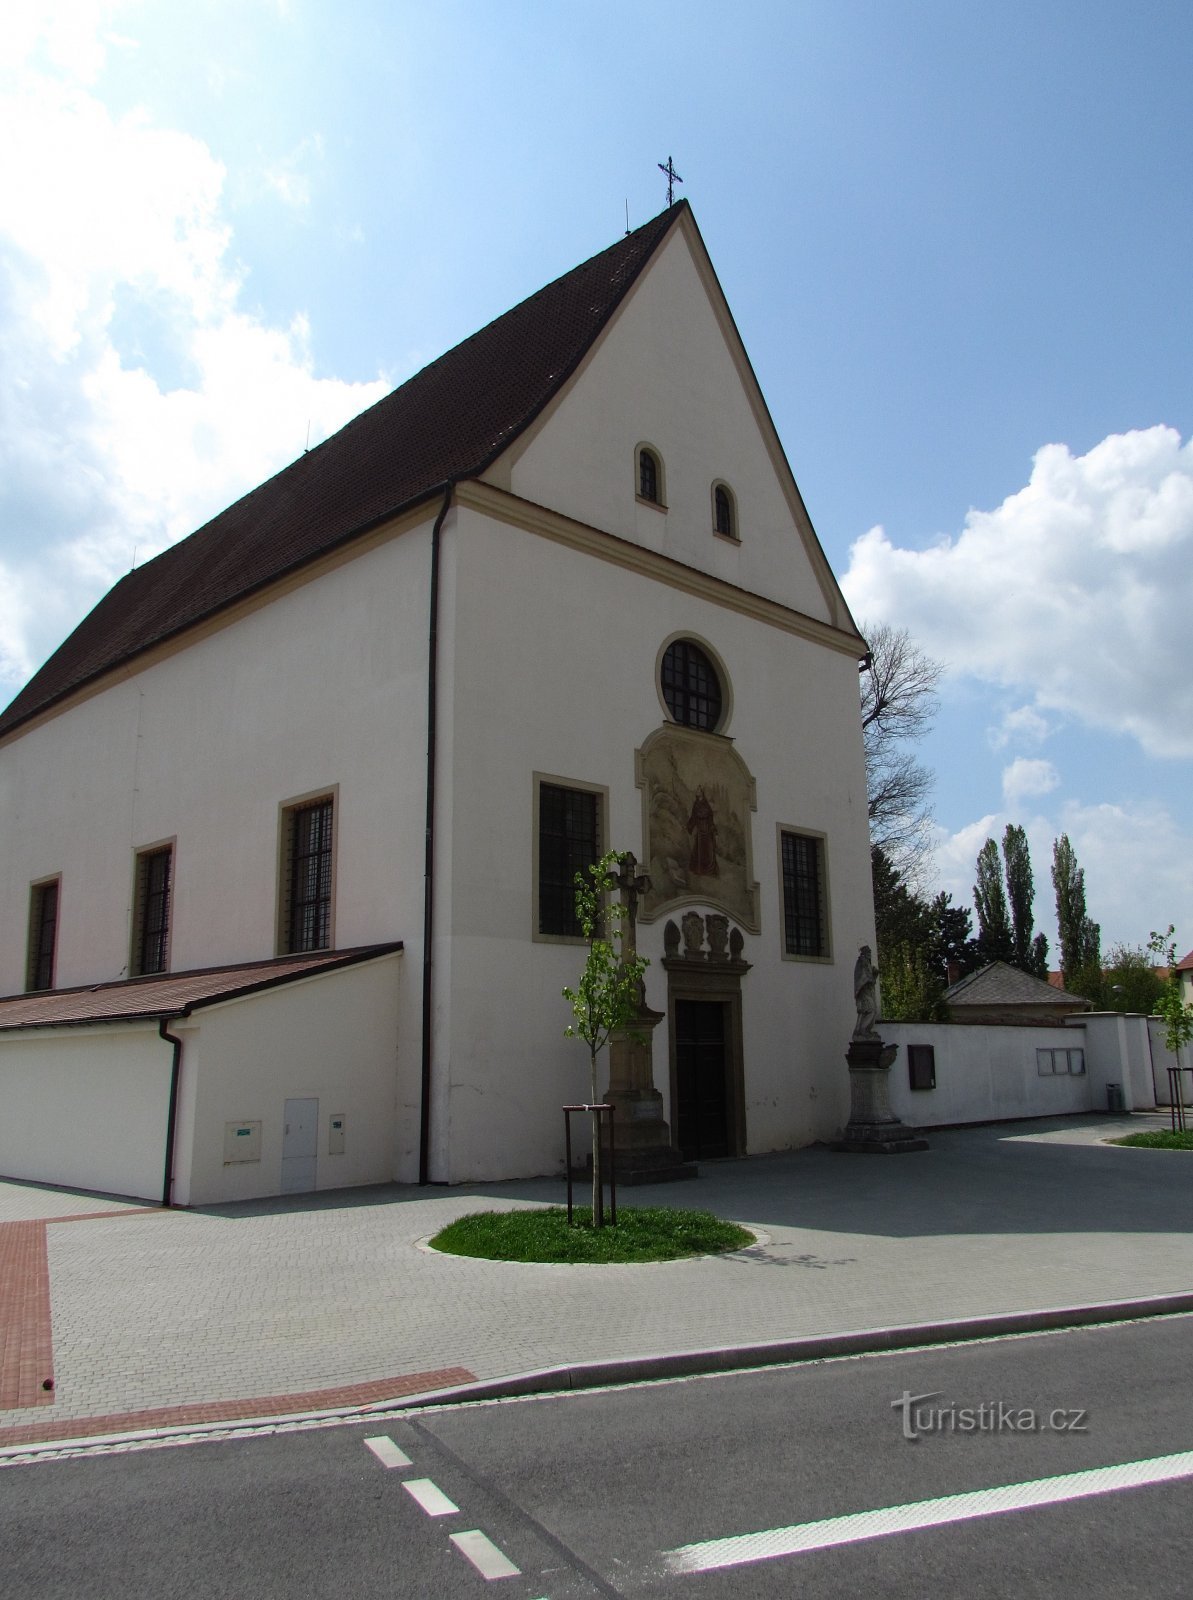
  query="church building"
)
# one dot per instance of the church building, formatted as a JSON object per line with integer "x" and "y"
{"x": 290, "y": 821}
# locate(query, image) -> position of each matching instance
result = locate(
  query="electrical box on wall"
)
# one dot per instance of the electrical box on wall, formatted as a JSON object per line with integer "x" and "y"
{"x": 242, "y": 1142}
{"x": 335, "y": 1136}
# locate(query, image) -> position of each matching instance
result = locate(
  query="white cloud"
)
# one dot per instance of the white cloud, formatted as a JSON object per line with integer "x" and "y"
{"x": 138, "y": 395}
{"x": 1077, "y": 589}
{"x": 1022, "y": 726}
{"x": 1025, "y": 777}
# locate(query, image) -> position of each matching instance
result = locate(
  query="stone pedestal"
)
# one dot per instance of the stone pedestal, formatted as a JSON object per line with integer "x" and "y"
{"x": 643, "y": 1149}
{"x": 873, "y": 1129}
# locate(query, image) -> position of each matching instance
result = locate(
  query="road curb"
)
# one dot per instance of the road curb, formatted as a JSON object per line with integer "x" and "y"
{"x": 783, "y": 1352}
{"x": 579, "y": 1376}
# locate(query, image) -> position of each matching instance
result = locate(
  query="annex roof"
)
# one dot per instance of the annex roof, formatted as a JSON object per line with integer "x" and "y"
{"x": 448, "y": 423}
{"x": 1003, "y": 985}
{"x": 173, "y": 994}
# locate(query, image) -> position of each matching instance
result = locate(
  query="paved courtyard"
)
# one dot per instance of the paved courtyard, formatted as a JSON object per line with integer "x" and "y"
{"x": 141, "y": 1317}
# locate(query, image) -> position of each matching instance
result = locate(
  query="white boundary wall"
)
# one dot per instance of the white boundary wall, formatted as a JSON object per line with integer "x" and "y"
{"x": 989, "y": 1072}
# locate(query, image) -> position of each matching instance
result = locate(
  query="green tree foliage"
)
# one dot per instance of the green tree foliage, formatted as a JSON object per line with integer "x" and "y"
{"x": 990, "y": 903}
{"x": 911, "y": 990}
{"x": 918, "y": 942}
{"x": 1129, "y": 981}
{"x": 1178, "y": 1017}
{"x": 1080, "y": 938}
{"x": 610, "y": 988}
{"x": 1030, "y": 948}
{"x": 1006, "y": 917}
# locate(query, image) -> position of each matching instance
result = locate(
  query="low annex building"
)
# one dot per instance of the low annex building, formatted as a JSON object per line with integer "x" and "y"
{"x": 290, "y": 820}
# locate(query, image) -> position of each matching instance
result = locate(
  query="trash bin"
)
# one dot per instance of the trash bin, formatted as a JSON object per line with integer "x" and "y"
{"x": 1114, "y": 1097}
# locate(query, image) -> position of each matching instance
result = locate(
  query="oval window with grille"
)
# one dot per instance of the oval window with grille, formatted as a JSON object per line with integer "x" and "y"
{"x": 691, "y": 687}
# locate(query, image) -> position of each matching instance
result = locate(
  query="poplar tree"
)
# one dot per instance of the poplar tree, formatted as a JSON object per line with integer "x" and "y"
{"x": 1080, "y": 938}
{"x": 990, "y": 903}
{"x": 1029, "y": 949}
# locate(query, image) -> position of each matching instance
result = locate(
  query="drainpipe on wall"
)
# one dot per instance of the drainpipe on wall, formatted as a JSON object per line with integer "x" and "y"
{"x": 424, "y": 1131}
{"x": 172, "y": 1114}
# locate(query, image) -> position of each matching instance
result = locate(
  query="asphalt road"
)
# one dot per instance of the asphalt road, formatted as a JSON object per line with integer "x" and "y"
{"x": 650, "y": 1490}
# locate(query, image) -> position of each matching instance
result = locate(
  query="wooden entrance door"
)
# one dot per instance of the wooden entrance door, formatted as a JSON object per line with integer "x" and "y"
{"x": 701, "y": 1079}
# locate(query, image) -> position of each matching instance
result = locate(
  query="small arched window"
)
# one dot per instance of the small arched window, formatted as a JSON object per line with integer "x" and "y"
{"x": 723, "y": 519}
{"x": 691, "y": 688}
{"x": 649, "y": 476}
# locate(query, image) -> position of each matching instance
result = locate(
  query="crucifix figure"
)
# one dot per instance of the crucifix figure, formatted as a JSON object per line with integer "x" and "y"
{"x": 632, "y": 885}
{"x": 673, "y": 178}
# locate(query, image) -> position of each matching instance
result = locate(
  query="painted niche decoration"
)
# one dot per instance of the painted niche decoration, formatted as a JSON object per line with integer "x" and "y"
{"x": 697, "y": 798}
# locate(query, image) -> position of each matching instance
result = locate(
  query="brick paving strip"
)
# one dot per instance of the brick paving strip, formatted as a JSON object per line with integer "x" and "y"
{"x": 26, "y": 1350}
{"x": 26, "y": 1341}
{"x": 277, "y": 1405}
{"x": 27, "y": 1355}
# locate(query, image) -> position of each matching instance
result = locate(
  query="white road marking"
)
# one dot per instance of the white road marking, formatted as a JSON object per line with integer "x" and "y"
{"x": 733, "y": 1552}
{"x": 387, "y": 1452}
{"x": 429, "y": 1496}
{"x": 488, "y": 1560}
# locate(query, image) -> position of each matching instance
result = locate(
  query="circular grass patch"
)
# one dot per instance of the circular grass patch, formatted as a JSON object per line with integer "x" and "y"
{"x": 643, "y": 1233}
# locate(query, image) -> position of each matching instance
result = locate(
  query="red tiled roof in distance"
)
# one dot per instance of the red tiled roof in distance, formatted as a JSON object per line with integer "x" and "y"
{"x": 173, "y": 994}
{"x": 447, "y": 423}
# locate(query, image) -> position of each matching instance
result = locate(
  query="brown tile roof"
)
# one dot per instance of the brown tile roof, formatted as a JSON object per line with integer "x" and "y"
{"x": 172, "y": 994}
{"x": 449, "y": 422}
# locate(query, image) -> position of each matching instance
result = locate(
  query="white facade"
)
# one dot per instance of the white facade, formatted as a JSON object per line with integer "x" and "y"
{"x": 558, "y": 589}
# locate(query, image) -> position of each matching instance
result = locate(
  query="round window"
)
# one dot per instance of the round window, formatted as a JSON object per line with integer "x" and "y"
{"x": 691, "y": 688}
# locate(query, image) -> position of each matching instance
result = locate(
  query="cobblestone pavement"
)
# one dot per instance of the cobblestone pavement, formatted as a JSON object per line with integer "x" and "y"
{"x": 330, "y": 1300}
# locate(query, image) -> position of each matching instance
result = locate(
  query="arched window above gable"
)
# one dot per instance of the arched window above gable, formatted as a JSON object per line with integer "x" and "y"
{"x": 650, "y": 475}
{"x": 724, "y": 512}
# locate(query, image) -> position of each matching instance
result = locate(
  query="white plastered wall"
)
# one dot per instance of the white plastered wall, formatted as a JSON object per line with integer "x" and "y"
{"x": 332, "y": 1038}
{"x": 324, "y": 687}
{"x": 86, "y": 1107}
{"x": 556, "y": 673}
{"x": 985, "y": 1072}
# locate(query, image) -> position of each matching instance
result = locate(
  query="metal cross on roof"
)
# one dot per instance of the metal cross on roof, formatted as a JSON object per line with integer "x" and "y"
{"x": 673, "y": 178}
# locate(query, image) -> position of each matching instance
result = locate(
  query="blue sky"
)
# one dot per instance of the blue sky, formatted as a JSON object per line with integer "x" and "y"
{"x": 956, "y": 239}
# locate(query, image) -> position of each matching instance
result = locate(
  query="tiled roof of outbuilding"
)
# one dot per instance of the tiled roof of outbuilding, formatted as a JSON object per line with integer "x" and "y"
{"x": 1003, "y": 985}
{"x": 172, "y": 994}
{"x": 449, "y": 422}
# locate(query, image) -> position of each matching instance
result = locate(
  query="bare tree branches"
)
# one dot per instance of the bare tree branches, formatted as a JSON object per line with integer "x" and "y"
{"x": 899, "y": 700}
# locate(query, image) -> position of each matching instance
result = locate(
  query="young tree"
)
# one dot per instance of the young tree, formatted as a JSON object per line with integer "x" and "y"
{"x": 610, "y": 988}
{"x": 1178, "y": 1017}
{"x": 990, "y": 903}
{"x": 899, "y": 700}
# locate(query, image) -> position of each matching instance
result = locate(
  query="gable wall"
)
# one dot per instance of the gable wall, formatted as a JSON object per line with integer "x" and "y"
{"x": 663, "y": 373}
{"x": 555, "y": 672}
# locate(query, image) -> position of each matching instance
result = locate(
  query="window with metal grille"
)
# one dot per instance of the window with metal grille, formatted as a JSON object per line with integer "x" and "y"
{"x": 691, "y": 688}
{"x": 648, "y": 475}
{"x": 805, "y": 926}
{"x": 568, "y": 842}
{"x": 43, "y": 935}
{"x": 921, "y": 1066}
{"x": 723, "y": 512}
{"x": 151, "y": 911}
{"x": 306, "y": 922}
